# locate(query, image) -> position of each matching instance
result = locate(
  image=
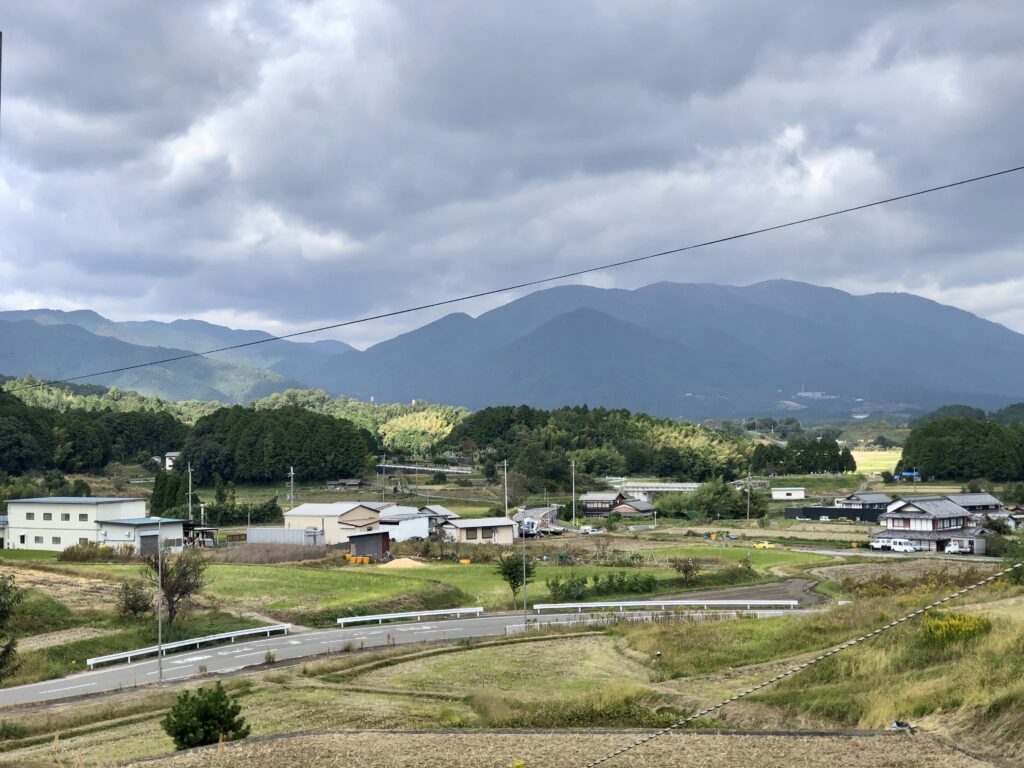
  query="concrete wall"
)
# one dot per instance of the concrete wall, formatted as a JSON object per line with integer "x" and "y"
{"x": 312, "y": 537}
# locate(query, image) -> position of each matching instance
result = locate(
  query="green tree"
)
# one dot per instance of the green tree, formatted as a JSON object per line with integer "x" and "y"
{"x": 204, "y": 717}
{"x": 10, "y": 596}
{"x": 179, "y": 577}
{"x": 716, "y": 500}
{"x": 515, "y": 573}
{"x": 134, "y": 599}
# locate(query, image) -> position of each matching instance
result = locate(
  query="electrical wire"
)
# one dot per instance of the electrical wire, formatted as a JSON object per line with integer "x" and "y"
{"x": 799, "y": 668}
{"x": 530, "y": 283}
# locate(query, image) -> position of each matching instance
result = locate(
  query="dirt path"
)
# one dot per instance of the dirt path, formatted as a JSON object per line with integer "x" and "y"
{"x": 790, "y": 589}
{"x": 35, "y": 642}
{"x": 76, "y": 592}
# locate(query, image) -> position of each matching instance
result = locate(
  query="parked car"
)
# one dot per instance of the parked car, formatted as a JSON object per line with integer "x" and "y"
{"x": 766, "y": 545}
{"x": 904, "y": 545}
{"x": 880, "y": 543}
{"x": 955, "y": 549}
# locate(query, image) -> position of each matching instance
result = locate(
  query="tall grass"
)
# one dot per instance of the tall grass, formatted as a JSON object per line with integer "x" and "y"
{"x": 263, "y": 554}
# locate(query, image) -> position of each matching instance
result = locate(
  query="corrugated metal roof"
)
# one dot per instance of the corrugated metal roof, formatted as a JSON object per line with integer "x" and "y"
{"x": 871, "y": 498}
{"x": 480, "y": 522}
{"x": 85, "y": 500}
{"x": 600, "y": 496}
{"x": 135, "y": 522}
{"x": 336, "y": 508}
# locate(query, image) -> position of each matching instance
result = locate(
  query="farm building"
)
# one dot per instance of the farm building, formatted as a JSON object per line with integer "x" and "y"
{"x": 143, "y": 534}
{"x": 481, "y": 530}
{"x": 634, "y": 508}
{"x": 788, "y": 494}
{"x": 976, "y": 502}
{"x": 339, "y": 520}
{"x": 371, "y": 544}
{"x": 170, "y": 458}
{"x": 600, "y": 503}
{"x": 57, "y": 522}
{"x": 310, "y": 537}
{"x": 404, "y": 523}
{"x": 865, "y": 500}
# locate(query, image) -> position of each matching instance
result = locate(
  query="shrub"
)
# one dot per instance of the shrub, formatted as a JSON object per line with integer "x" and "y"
{"x": 939, "y": 630}
{"x": 91, "y": 552}
{"x": 267, "y": 553}
{"x": 134, "y": 600}
{"x": 688, "y": 569}
{"x": 205, "y": 717}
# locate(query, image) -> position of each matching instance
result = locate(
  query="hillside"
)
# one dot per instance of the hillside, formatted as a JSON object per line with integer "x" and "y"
{"x": 692, "y": 351}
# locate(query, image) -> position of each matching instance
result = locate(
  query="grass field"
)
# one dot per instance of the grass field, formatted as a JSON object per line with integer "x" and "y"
{"x": 26, "y": 554}
{"x": 877, "y": 461}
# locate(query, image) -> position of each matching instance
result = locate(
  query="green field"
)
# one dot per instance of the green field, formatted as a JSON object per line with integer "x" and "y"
{"x": 869, "y": 462}
{"x": 26, "y": 554}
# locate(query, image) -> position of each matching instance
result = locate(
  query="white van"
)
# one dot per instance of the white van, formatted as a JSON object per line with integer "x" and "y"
{"x": 903, "y": 545}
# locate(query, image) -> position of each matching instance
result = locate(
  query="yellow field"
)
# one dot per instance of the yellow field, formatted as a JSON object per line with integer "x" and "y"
{"x": 877, "y": 461}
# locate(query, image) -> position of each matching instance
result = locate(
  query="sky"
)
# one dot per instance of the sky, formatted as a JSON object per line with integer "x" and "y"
{"x": 287, "y": 164}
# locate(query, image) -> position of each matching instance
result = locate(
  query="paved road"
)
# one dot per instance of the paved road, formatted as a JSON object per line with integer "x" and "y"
{"x": 224, "y": 659}
{"x": 898, "y": 555}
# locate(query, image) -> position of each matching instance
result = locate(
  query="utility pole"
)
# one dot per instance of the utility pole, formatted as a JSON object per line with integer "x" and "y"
{"x": 522, "y": 534}
{"x": 748, "y": 494}
{"x": 383, "y": 472}
{"x": 189, "y": 492}
{"x": 506, "y": 487}
{"x": 574, "y": 493}
{"x": 159, "y": 605}
{"x": 291, "y": 486}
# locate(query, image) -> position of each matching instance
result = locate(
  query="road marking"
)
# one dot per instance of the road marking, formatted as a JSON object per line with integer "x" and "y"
{"x": 245, "y": 655}
{"x": 72, "y": 687}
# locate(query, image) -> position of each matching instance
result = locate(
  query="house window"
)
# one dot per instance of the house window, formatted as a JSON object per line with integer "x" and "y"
{"x": 83, "y": 541}
{"x": 55, "y": 540}
{"x": 65, "y": 517}
{"x": 38, "y": 539}
{"x": 30, "y": 515}
{"x": 47, "y": 516}
{"x": 471, "y": 533}
{"x": 83, "y": 517}
{"x": 487, "y": 533}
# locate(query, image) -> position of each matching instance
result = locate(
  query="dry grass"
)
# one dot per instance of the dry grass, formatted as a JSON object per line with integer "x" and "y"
{"x": 62, "y": 636}
{"x": 263, "y": 554}
{"x": 905, "y": 570}
{"x": 570, "y": 750}
{"x": 76, "y": 592}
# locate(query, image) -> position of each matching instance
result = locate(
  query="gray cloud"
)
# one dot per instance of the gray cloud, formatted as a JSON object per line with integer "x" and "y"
{"x": 297, "y": 163}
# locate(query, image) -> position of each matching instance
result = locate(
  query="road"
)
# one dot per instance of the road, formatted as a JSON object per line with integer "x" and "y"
{"x": 225, "y": 659}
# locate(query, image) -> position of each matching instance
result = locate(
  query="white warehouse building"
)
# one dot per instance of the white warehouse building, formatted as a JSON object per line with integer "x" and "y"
{"x": 58, "y": 522}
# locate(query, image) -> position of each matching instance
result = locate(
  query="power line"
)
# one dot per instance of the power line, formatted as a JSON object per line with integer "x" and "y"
{"x": 800, "y": 667}
{"x": 533, "y": 283}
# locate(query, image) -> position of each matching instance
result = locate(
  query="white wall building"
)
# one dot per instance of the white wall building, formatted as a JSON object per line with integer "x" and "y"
{"x": 481, "y": 530}
{"x": 141, "y": 533}
{"x": 339, "y": 520}
{"x": 787, "y": 494}
{"x": 59, "y": 521}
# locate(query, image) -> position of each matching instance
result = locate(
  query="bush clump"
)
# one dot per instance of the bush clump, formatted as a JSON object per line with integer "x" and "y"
{"x": 577, "y": 587}
{"x": 940, "y": 630}
{"x": 205, "y": 717}
{"x": 134, "y": 600}
{"x": 91, "y": 552}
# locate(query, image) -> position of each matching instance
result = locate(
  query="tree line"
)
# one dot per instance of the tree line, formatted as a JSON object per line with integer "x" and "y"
{"x": 802, "y": 456}
{"x": 965, "y": 448}
{"x": 541, "y": 444}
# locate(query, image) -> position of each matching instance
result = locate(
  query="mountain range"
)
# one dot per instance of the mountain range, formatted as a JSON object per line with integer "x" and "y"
{"x": 672, "y": 349}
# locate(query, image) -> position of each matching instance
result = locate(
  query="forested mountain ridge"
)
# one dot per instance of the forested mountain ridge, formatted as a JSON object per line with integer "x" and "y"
{"x": 684, "y": 351}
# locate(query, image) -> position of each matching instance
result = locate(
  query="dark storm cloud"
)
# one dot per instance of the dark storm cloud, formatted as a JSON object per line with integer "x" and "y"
{"x": 292, "y": 163}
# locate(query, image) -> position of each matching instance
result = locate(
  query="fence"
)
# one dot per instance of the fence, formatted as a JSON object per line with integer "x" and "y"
{"x": 192, "y": 641}
{"x": 666, "y": 604}
{"x": 380, "y": 618}
{"x": 652, "y": 617}
{"x": 312, "y": 537}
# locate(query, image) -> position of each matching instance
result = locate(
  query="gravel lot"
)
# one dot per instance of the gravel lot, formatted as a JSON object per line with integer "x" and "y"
{"x": 572, "y": 750}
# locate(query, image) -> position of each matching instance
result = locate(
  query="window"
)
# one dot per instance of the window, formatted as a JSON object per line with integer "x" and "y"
{"x": 47, "y": 515}
{"x": 38, "y": 539}
{"x": 487, "y": 533}
{"x": 55, "y": 540}
{"x": 470, "y": 533}
{"x": 21, "y": 539}
{"x": 65, "y": 517}
{"x": 30, "y": 515}
{"x": 83, "y": 541}
{"x": 83, "y": 517}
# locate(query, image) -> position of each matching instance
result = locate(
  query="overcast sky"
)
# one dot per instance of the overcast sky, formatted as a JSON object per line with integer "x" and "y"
{"x": 282, "y": 164}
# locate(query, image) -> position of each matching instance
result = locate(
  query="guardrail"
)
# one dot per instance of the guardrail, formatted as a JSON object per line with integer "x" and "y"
{"x": 380, "y": 618}
{"x": 192, "y": 641}
{"x": 666, "y": 604}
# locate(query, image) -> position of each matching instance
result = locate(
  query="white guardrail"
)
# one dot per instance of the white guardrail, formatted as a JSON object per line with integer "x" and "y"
{"x": 192, "y": 641}
{"x": 666, "y": 604}
{"x": 380, "y": 618}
